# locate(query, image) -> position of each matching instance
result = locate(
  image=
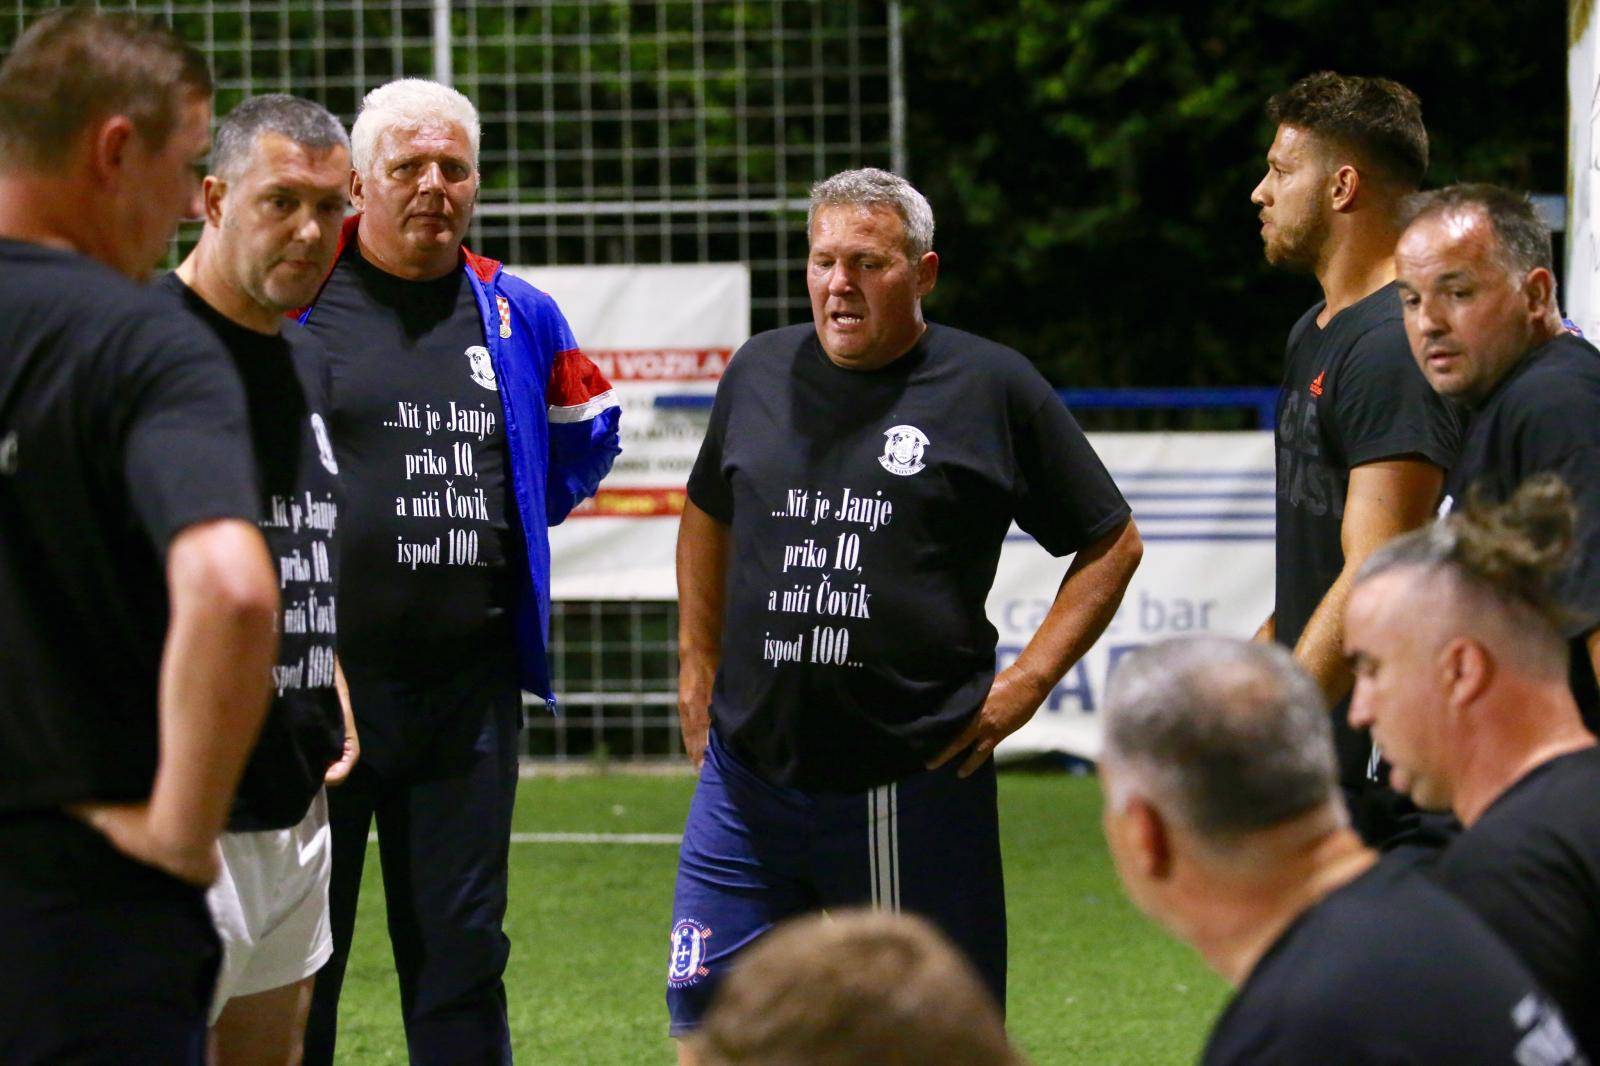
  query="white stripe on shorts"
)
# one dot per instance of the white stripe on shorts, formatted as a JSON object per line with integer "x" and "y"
{"x": 883, "y": 846}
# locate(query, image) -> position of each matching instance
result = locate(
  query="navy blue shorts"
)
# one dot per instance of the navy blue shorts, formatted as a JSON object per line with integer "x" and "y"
{"x": 754, "y": 854}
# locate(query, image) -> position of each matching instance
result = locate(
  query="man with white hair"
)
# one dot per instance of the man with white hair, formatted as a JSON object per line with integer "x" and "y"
{"x": 464, "y": 420}
{"x": 1225, "y": 821}
{"x": 837, "y": 680}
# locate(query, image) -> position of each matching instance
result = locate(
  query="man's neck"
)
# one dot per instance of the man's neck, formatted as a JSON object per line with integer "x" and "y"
{"x": 408, "y": 266}
{"x": 1518, "y": 736}
{"x": 202, "y": 273}
{"x": 1241, "y": 920}
{"x": 1359, "y": 262}
{"x": 36, "y": 210}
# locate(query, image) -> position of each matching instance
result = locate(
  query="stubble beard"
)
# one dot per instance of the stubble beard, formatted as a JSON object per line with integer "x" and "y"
{"x": 1298, "y": 248}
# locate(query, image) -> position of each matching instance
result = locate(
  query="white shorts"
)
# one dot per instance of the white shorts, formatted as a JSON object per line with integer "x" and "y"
{"x": 270, "y": 906}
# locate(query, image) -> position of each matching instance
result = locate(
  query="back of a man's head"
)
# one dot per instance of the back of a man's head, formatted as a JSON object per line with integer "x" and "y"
{"x": 1497, "y": 570}
{"x": 1378, "y": 120}
{"x": 857, "y": 988}
{"x": 1227, "y": 737}
{"x": 75, "y": 66}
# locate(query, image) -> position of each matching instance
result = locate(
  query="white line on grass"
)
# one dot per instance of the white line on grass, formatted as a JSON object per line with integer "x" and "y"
{"x": 583, "y": 838}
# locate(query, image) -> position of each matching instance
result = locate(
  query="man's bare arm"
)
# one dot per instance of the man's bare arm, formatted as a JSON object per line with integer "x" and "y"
{"x": 215, "y": 677}
{"x": 1384, "y": 500}
{"x": 1085, "y": 602}
{"x": 339, "y": 771}
{"x": 704, "y": 546}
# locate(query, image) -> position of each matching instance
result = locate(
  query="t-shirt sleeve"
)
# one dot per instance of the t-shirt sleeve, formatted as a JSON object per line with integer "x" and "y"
{"x": 186, "y": 438}
{"x": 1384, "y": 407}
{"x": 708, "y": 483}
{"x": 1558, "y": 433}
{"x": 1065, "y": 498}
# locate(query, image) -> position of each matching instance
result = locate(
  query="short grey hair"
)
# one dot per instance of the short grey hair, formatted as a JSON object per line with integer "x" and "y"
{"x": 304, "y": 122}
{"x": 409, "y": 103}
{"x": 1523, "y": 237}
{"x": 1230, "y": 736}
{"x": 869, "y": 187}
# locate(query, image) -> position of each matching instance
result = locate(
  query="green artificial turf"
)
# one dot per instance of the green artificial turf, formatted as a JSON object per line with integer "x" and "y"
{"x": 1090, "y": 981}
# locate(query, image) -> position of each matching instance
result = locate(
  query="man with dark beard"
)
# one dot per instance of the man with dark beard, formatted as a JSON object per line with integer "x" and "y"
{"x": 1362, "y": 441}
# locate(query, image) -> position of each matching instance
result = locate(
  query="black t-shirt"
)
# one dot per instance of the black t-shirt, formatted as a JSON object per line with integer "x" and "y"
{"x": 1352, "y": 394}
{"x": 1530, "y": 867}
{"x": 285, "y": 385}
{"x": 1389, "y": 970}
{"x": 1545, "y": 417}
{"x": 121, "y": 423}
{"x": 430, "y": 545}
{"x": 867, "y": 513}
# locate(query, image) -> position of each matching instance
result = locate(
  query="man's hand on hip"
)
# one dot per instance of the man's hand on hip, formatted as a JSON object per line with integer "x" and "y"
{"x": 1012, "y": 701}
{"x": 131, "y": 830}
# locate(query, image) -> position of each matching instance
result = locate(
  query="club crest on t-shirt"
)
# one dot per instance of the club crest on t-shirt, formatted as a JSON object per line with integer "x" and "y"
{"x": 902, "y": 450}
{"x": 319, "y": 429}
{"x": 482, "y": 367}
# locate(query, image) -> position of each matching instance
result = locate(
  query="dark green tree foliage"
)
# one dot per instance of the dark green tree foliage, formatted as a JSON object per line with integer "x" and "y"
{"x": 1090, "y": 164}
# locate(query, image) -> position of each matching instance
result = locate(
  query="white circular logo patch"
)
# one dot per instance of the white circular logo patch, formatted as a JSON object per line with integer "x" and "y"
{"x": 902, "y": 450}
{"x": 687, "y": 963}
{"x": 324, "y": 445}
{"x": 482, "y": 367}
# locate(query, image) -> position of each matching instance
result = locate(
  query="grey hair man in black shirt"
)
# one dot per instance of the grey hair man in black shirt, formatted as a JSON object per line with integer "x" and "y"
{"x": 1224, "y": 819}
{"x": 1477, "y": 280}
{"x": 137, "y": 600}
{"x": 1461, "y": 674}
{"x": 1362, "y": 441}
{"x": 274, "y": 202}
{"x": 837, "y": 682}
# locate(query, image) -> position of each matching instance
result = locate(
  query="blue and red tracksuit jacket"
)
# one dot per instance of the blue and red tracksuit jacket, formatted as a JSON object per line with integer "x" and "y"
{"x": 561, "y": 429}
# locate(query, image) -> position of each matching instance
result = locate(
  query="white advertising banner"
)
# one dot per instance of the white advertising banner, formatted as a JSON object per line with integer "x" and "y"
{"x": 1582, "y": 283}
{"x": 1204, "y": 506}
{"x": 654, "y": 331}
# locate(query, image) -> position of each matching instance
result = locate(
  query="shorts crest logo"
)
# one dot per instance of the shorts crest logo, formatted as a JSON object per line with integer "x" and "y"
{"x": 902, "y": 450}
{"x": 687, "y": 963}
{"x": 319, "y": 429}
{"x": 482, "y": 367}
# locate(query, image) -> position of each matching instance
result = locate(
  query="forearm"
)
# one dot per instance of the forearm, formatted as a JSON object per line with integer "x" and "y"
{"x": 702, "y": 557}
{"x": 1084, "y": 605}
{"x": 702, "y": 562}
{"x": 1320, "y": 649}
{"x": 1384, "y": 500}
{"x": 215, "y": 678}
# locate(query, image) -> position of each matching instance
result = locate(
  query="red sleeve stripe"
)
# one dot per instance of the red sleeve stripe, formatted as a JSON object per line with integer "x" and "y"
{"x": 574, "y": 380}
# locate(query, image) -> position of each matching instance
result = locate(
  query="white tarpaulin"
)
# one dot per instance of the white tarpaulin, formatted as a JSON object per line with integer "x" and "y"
{"x": 1581, "y": 295}
{"x": 1204, "y": 505}
{"x": 653, "y": 331}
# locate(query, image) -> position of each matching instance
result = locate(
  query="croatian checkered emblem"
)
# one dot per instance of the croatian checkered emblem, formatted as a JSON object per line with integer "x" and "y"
{"x": 687, "y": 963}
{"x": 504, "y": 306}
